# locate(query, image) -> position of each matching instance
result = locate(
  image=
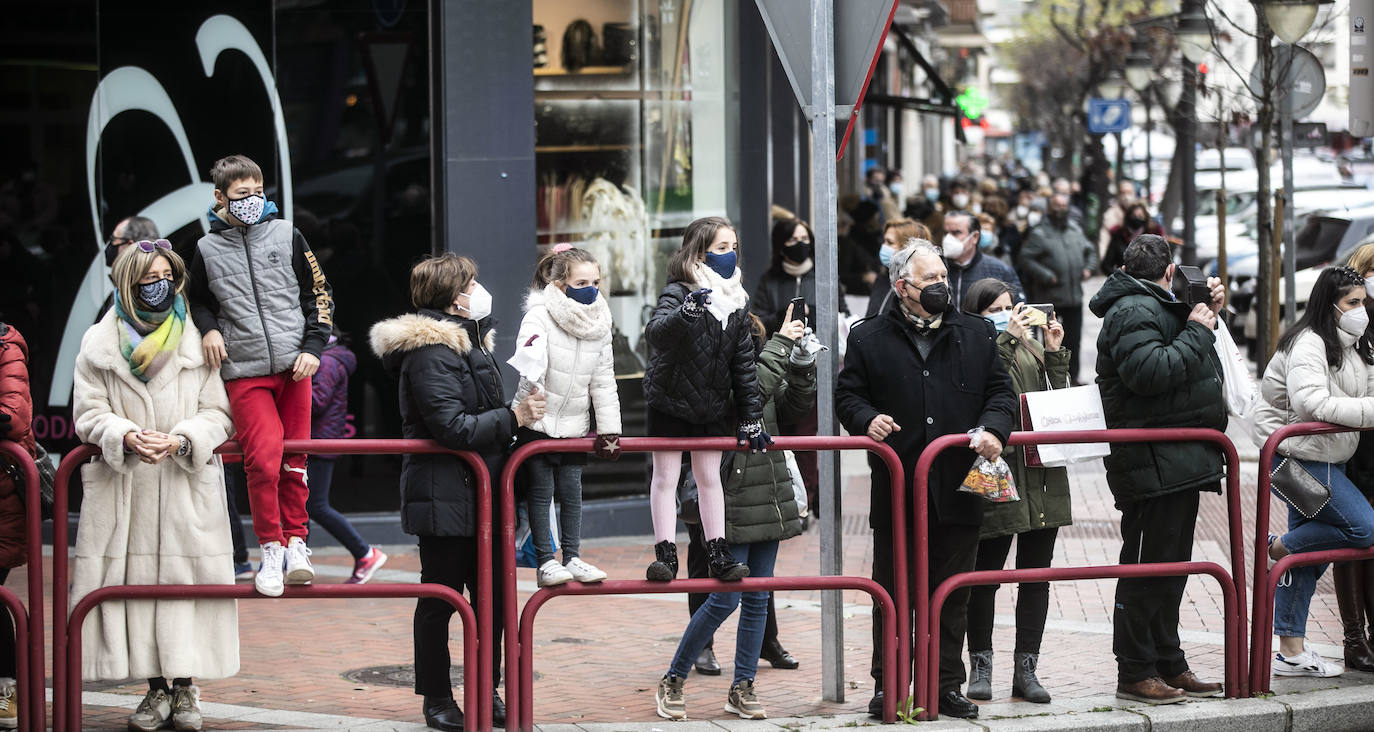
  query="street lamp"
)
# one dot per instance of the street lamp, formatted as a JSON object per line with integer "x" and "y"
{"x": 1194, "y": 34}
{"x": 1140, "y": 67}
{"x": 1113, "y": 86}
{"x": 1291, "y": 19}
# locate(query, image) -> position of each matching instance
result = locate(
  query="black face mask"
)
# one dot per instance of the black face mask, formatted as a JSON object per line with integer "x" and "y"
{"x": 1136, "y": 222}
{"x": 1059, "y": 218}
{"x": 935, "y": 298}
{"x": 797, "y": 253}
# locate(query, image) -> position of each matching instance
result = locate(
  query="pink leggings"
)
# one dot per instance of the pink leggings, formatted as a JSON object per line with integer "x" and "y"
{"x": 710, "y": 495}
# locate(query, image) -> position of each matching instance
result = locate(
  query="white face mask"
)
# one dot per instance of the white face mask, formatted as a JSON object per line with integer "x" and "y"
{"x": 1022, "y": 211}
{"x": 479, "y": 303}
{"x": 1033, "y": 218}
{"x": 977, "y": 208}
{"x": 952, "y": 247}
{"x": 1354, "y": 321}
{"x": 960, "y": 200}
{"x": 1369, "y": 286}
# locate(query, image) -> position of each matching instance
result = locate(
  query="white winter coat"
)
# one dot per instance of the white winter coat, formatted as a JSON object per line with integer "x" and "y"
{"x": 153, "y": 524}
{"x": 580, "y": 374}
{"x": 1298, "y": 386}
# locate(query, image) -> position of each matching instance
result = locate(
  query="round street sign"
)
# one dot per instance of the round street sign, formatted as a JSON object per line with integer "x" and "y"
{"x": 1303, "y": 85}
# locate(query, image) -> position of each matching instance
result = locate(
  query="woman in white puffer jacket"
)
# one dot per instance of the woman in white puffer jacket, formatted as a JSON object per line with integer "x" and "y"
{"x": 1323, "y": 372}
{"x": 564, "y": 349}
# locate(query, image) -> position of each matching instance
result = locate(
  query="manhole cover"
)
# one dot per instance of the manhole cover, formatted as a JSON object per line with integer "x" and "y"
{"x": 402, "y": 676}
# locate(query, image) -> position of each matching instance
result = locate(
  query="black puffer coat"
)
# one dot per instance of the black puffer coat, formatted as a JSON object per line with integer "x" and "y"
{"x": 1156, "y": 368}
{"x": 699, "y": 372}
{"x": 451, "y": 392}
{"x": 961, "y": 385}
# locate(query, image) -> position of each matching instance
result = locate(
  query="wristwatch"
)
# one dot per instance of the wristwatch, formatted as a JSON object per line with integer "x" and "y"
{"x": 185, "y": 448}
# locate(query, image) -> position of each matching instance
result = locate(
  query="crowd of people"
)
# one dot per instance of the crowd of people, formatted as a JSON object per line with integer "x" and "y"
{"x": 968, "y": 303}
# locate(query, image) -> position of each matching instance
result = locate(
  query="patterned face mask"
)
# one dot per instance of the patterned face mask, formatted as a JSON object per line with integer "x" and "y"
{"x": 248, "y": 209}
{"x": 156, "y": 295}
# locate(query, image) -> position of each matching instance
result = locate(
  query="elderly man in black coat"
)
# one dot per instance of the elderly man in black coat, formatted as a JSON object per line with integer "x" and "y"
{"x": 912, "y": 374}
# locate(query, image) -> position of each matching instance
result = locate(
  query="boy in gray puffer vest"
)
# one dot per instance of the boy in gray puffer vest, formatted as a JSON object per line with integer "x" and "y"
{"x": 260, "y": 298}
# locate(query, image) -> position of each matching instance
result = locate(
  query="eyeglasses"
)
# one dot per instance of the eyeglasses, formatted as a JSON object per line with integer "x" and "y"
{"x": 148, "y": 246}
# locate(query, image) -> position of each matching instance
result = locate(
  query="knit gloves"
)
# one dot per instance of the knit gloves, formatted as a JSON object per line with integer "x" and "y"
{"x": 607, "y": 447}
{"x": 696, "y": 302}
{"x": 751, "y": 433}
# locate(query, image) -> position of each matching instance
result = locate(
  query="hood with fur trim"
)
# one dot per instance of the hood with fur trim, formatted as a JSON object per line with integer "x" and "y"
{"x": 393, "y": 338}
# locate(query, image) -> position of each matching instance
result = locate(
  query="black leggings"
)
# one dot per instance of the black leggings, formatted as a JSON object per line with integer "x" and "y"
{"x": 1034, "y": 549}
{"x": 8, "y": 650}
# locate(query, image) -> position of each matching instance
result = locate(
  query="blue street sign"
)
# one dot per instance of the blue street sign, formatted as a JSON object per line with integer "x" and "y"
{"x": 1106, "y": 116}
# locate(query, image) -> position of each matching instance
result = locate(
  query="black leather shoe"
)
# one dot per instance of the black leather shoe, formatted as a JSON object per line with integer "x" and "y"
{"x": 706, "y": 662}
{"x": 875, "y": 705}
{"x": 498, "y": 710}
{"x": 778, "y": 657}
{"x": 954, "y": 704}
{"x": 442, "y": 712}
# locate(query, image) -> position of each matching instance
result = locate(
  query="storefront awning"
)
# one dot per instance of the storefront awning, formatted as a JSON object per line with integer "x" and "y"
{"x": 940, "y": 102}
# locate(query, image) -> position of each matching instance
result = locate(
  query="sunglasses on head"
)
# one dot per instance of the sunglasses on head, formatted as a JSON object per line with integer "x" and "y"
{"x": 149, "y": 246}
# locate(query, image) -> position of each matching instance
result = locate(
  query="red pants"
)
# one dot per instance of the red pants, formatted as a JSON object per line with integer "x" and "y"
{"x": 266, "y": 410}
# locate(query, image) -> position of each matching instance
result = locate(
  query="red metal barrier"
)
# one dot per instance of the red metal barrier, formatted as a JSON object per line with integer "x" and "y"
{"x": 31, "y": 674}
{"x": 1266, "y": 578}
{"x": 927, "y": 610}
{"x": 477, "y": 637}
{"x": 519, "y": 654}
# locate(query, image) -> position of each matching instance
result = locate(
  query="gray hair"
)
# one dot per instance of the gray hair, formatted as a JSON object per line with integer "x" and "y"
{"x": 901, "y": 261}
{"x": 139, "y": 228}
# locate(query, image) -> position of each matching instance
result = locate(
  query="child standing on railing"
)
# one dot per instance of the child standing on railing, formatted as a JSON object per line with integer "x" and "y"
{"x": 700, "y": 382}
{"x": 564, "y": 349}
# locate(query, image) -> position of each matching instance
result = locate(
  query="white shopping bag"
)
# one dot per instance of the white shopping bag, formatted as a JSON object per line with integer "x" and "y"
{"x": 1067, "y": 410}
{"x": 1241, "y": 394}
{"x": 798, "y": 485}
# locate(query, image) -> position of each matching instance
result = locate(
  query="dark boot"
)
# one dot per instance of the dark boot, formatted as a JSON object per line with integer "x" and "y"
{"x": 1367, "y": 569}
{"x": 1349, "y": 580}
{"x": 706, "y": 662}
{"x": 442, "y": 712}
{"x": 778, "y": 656}
{"x": 1023, "y": 681}
{"x": 979, "y": 675}
{"x": 722, "y": 563}
{"x": 498, "y": 710}
{"x": 664, "y": 567}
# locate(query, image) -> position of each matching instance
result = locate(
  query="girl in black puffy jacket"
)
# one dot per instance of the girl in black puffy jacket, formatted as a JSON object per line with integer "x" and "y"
{"x": 700, "y": 382}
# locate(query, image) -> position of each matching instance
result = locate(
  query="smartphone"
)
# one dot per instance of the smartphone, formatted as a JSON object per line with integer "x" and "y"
{"x": 1040, "y": 315}
{"x": 799, "y": 309}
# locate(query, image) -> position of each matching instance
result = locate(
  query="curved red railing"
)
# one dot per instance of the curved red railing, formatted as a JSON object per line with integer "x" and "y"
{"x": 928, "y": 610}
{"x": 29, "y": 644}
{"x": 67, "y": 679}
{"x": 519, "y": 655}
{"x": 1266, "y": 577}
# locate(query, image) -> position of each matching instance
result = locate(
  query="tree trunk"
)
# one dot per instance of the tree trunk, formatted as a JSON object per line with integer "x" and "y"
{"x": 1264, "y": 288}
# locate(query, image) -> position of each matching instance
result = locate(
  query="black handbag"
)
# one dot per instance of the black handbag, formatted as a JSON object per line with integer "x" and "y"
{"x": 1299, "y": 488}
{"x": 47, "y": 477}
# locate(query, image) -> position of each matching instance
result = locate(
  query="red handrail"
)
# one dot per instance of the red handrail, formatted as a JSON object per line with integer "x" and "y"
{"x": 927, "y": 643}
{"x": 34, "y": 708}
{"x": 62, "y": 639}
{"x": 519, "y": 656}
{"x": 1266, "y": 577}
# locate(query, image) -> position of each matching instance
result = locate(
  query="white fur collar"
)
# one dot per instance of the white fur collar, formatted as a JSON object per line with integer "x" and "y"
{"x": 727, "y": 296}
{"x": 413, "y": 331}
{"x": 584, "y": 322}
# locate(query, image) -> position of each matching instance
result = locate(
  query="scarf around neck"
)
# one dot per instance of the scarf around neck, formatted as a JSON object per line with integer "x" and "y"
{"x": 797, "y": 270}
{"x": 148, "y": 352}
{"x": 727, "y": 296}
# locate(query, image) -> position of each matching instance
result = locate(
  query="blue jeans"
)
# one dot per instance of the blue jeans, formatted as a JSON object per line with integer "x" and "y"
{"x": 547, "y": 475}
{"x": 1347, "y": 522}
{"x": 753, "y": 614}
{"x": 319, "y": 473}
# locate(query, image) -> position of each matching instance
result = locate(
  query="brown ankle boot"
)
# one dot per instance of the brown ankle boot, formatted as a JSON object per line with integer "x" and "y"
{"x": 1350, "y": 598}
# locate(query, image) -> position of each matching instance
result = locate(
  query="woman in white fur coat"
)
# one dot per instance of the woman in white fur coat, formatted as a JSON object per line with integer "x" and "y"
{"x": 564, "y": 349}
{"x": 153, "y": 510}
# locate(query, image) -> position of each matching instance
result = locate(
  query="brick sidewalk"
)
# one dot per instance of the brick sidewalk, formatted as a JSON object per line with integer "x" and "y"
{"x": 598, "y": 659}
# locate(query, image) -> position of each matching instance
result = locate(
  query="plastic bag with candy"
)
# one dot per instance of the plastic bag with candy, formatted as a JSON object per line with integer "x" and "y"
{"x": 991, "y": 479}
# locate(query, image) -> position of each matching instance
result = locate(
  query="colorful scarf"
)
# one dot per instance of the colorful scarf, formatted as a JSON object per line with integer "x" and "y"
{"x": 148, "y": 352}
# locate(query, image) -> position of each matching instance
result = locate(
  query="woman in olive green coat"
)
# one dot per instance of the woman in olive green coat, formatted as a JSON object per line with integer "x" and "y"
{"x": 1035, "y": 519}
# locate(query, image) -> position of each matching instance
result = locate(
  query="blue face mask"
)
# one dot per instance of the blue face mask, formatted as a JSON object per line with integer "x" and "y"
{"x": 723, "y": 264}
{"x": 1000, "y": 320}
{"x": 987, "y": 241}
{"x": 885, "y": 254}
{"x": 585, "y": 295}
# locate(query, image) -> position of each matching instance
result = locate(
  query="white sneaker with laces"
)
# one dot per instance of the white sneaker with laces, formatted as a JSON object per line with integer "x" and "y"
{"x": 268, "y": 580}
{"x": 1306, "y": 663}
{"x": 298, "y": 569}
{"x": 552, "y": 573}
{"x": 584, "y": 572}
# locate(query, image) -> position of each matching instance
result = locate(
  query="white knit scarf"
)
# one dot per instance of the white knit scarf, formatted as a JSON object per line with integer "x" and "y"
{"x": 727, "y": 296}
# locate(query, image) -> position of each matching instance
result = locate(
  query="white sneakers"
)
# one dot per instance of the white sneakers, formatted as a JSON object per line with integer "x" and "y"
{"x": 583, "y": 572}
{"x": 552, "y": 573}
{"x": 298, "y": 569}
{"x": 1306, "y": 663}
{"x": 268, "y": 581}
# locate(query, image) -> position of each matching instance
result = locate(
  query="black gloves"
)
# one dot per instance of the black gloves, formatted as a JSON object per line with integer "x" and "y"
{"x": 751, "y": 433}
{"x": 696, "y": 302}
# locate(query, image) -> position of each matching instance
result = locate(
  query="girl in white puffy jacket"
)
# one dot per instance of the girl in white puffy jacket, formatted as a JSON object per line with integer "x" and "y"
{"x": 564, "y": 349}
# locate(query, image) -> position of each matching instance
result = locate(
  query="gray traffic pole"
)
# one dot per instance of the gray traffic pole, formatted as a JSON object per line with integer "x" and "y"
{"x": 826, "y": 324}
{"x": 1290, "y": 253}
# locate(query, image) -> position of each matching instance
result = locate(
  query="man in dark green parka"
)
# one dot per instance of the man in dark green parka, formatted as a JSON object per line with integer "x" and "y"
{"x": 1156, "y": 367}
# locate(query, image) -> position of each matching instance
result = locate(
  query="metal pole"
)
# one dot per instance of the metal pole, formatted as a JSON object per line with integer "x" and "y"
{"x": 824, "y": 196}
{"x": 1290, "y": 252}
{"x": 1276, "y": 240}
{"x": 1187, "y": 139}
{"x": 1149, "y": 152}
